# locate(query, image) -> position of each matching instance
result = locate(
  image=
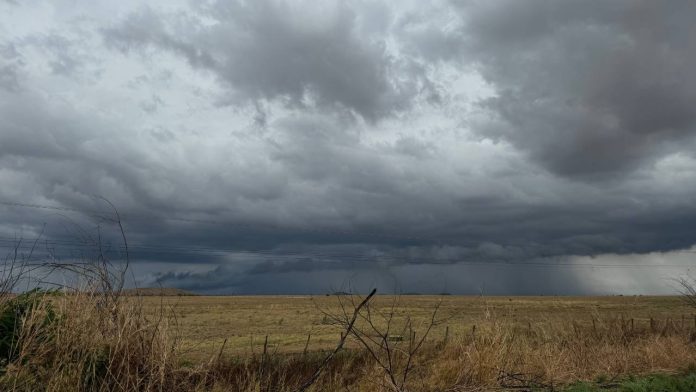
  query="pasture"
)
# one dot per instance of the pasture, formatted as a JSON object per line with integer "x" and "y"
{"x": 103, "y": 341}
{"x": 205, "y": 322}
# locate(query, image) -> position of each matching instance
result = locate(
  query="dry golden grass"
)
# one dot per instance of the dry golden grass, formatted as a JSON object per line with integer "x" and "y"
{"x": 88, "y": 341}
{"x": 204, "y": 323}
{"x": 103, "y": 343}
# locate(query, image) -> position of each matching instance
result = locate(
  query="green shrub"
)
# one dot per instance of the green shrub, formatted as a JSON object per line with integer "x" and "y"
{"x": 12, "y": 316}
{"x": 653, "y": 383}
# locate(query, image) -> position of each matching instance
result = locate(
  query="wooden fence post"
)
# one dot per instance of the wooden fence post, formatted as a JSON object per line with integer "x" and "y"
{"x": 304, "y": 352}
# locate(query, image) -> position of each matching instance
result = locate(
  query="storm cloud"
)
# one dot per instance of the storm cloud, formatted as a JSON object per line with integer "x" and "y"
{"x": 586, "y": 88}
{"x": 282, "y": 146}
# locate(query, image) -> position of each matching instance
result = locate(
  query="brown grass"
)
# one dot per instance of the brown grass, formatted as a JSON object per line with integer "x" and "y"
{"x": 204, "y": 323}
{"x": 100, "y": 342}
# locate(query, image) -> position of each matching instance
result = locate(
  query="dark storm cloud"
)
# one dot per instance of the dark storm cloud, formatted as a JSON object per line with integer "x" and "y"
{"x": 285, "y": 189}
{"x": 587, "y": 88}
{"x": 457, "y": 278}
{"x": 278, "y": 50}
{"x": 346, "y": 208}
{"x": 10, "y": 65}
{"x": 590, "y": 89}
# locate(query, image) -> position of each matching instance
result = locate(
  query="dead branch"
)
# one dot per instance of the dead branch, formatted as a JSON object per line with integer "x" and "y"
{"x": 342, "y": 341}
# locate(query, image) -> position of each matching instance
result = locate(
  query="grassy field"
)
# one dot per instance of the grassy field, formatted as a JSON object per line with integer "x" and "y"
{"x": 103, "y": 341}
{"x": 650, "y": 383}
{"x": 204, "y": 323}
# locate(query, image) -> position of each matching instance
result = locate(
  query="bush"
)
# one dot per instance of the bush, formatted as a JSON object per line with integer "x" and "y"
{"x": 13, "y": 315}
{"x": 652, "y": 383}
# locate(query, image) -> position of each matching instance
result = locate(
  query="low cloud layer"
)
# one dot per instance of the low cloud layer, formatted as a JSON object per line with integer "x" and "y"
{"x": 273, "y": 146}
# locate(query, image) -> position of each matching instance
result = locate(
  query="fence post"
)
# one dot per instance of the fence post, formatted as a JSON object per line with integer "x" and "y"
{"x": 594, "y": 326}
{"x": 304, "y": 352}
{"x": 265, "y": 346}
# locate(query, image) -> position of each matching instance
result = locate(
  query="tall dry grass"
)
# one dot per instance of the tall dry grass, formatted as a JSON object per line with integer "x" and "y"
{"x": 95, "y": 341}
{"x": 88, "y": 341}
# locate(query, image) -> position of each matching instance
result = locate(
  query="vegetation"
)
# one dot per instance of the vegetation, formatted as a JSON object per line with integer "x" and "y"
{"x": 13, "y": 316}
{"x": 651, "y": 383}
{"x": 205, "y": 322}
{"x": 98, "y": 342}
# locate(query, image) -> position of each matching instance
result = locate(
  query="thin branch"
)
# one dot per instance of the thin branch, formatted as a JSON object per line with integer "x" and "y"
{"x": 328, "y": 358}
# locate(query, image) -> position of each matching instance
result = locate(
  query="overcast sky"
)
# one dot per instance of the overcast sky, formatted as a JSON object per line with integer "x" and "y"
{"x": 503, "y": 147}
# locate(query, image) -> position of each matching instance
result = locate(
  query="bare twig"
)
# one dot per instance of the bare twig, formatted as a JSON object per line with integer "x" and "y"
{"x": 342, "y": 341}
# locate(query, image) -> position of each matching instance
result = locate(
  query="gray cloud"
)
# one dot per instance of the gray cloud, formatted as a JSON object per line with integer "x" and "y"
{"x": 586, "y": 88}
{"x": 282, "y": 51}
{"x": 10, "y": 66}
{"x": 482, "y": 142}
